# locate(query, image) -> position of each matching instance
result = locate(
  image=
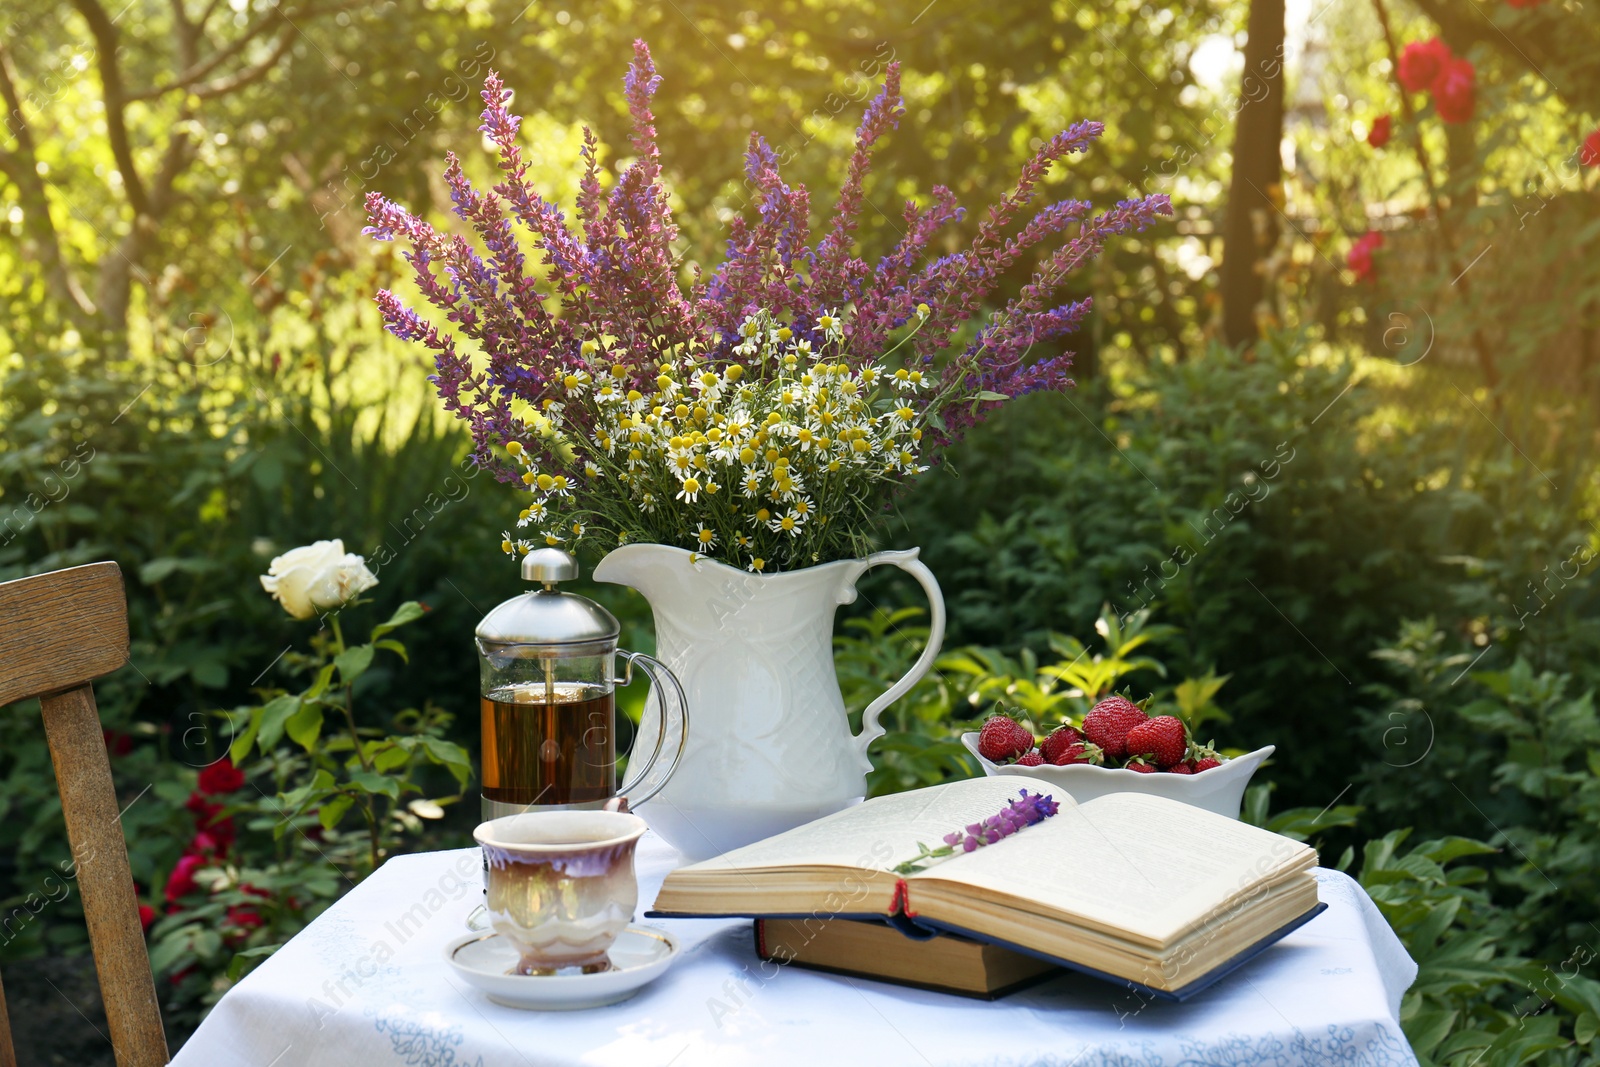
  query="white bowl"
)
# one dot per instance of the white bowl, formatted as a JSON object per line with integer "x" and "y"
{"x": 1221, "y": 789}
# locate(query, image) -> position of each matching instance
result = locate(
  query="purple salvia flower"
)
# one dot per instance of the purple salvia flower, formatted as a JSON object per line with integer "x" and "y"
{"x": 833, "y": 268}
{"x": 617, "y": 283}
{"x": 1029, "y": 809}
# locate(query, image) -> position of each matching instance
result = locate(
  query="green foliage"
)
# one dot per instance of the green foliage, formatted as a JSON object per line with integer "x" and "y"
{"x": 1512, "y": 754}
{"x": 1284, "y": 509}
{"x": 302, "y": 790}
{"x": 922, "y": 745}
{"x": 1475, "y": 1001}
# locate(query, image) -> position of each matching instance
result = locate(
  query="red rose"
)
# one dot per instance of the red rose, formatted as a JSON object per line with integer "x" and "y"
{"x": 213, "y": 841}
{"x": 243, "y": 918}
{"x": 147, "y": 916}
{"x": 1382, "y": 127}
{"x": 1453, "y": 91}
{"x": 1421, "y": 62}
{"x": 117, "y": 742}
{"x": 1359, "y": 258}
{"x": 205, "y": 812}
{"x": 220, "y": 777}
{"x": 223, "y": 832}
{"x": 181, "y": 883}
{"x": 1589, "y": 154}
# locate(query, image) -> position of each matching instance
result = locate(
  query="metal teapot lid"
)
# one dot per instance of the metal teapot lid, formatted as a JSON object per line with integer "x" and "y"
{"x": 548, "y": 616}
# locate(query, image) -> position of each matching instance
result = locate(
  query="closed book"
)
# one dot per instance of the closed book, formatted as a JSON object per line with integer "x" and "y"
{"x": 949, "y": 963}
{"x": 1141, "y": 890}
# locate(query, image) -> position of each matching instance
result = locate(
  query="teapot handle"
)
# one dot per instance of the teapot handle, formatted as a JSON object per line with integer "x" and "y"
{"x": 906, "y": 560}
{"x": 664, "y": 684}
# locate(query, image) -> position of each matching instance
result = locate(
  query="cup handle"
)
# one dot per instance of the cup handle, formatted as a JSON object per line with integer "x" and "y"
{"x": 906, "y": 560}
{"x": 664, "y": 683}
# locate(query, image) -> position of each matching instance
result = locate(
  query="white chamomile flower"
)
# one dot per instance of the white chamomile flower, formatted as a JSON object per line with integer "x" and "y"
{"x": 689, "y": 491}
{"x": 789, "y": 523}
{"x": 831, "y": 325}
{"x": 706, "y": 539}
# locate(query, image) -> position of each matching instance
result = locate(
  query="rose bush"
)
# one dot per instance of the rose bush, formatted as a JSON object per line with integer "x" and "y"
{"x": 291, "y": 814}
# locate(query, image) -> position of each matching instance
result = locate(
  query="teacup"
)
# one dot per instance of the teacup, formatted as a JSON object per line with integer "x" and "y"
{"x": 561, "y": 885}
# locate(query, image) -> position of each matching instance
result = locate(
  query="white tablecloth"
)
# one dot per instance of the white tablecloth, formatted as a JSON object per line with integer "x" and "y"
{"x": 366, "y": 985}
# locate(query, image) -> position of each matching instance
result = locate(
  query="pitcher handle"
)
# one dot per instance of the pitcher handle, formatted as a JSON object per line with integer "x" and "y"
{"x": 664, "y": 684}
{"x": 906, "y": 560}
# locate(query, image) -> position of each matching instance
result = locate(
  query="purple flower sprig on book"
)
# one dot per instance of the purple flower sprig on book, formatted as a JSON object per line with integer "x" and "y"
{"x": 1031, "y": 809}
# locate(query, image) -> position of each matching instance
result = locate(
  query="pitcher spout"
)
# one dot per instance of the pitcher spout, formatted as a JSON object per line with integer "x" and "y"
{"x": 654, "y": 570}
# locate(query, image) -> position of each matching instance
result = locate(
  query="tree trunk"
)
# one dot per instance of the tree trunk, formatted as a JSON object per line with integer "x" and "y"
{"x": 1251, "y": 226}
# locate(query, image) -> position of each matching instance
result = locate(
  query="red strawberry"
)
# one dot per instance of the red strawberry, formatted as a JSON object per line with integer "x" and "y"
{"x": 1030, "y": 758}
{"x": 1206, "y": 764}
{"x": 1079, "y": 753}
{"x": 1162, "y": 737}
{"x": 1140, "y": 764}
{"x": 1180, "y": 768}
{"x": 1003, "y": 739}
{"x": 1108, "y": 723}
{"x": 1061, "y": 739}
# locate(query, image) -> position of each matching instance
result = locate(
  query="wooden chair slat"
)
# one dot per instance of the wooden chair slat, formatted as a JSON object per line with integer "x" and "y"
{"x": 61, "y": 630}
{"x": 8, "y": 1054}
{"x": 58, "y": 632}
{"x": 100, "y": 856}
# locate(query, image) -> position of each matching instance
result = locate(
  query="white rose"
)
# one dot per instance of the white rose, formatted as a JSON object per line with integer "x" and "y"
{"x": 318, "y": 577}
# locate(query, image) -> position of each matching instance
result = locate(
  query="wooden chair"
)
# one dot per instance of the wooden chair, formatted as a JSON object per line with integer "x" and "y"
{"x": 59, "y": 632}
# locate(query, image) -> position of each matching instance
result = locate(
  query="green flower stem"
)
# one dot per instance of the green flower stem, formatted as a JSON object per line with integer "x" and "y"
{"x": 921, "y": 862}
{"x": 347, "y": 705}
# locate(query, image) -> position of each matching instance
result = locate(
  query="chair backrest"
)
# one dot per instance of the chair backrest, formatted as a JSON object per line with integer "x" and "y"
{"x": 59, "y": 632}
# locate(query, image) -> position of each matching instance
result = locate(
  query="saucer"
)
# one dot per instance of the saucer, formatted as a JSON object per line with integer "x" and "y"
{"x": 485, "y": 961}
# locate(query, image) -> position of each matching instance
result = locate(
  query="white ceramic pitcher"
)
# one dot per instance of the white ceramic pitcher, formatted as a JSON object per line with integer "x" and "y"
{"x": 771, "y": 746}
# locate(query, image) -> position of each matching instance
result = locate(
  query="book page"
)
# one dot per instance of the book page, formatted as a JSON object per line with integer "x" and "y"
{"x": 1149, "y": 866}
{"x": 880, "y": 833}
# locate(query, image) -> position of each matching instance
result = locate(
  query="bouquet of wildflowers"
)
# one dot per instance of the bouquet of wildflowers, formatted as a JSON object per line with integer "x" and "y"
{"x": 763, "y": 415}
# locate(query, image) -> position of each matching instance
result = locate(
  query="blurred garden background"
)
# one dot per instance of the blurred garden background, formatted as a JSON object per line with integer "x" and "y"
{"x": 1331, "y": 447}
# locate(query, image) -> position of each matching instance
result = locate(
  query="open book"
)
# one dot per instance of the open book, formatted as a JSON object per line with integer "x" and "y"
{"x": 1136, "y": 888}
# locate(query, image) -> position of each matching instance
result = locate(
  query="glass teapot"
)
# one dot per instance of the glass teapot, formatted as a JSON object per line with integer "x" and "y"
{"x": 547, "y": 670}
